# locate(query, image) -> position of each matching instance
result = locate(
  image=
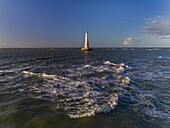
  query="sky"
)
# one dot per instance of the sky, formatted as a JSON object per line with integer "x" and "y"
{"x": 63, "y": 23}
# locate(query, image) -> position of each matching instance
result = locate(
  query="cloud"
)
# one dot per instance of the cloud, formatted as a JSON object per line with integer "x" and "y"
{"x": 165, "y": 37}
{"x": 152, "y": 21}
{"x": 2, "y": 44}
{"x": 158, "y": 26}
{"x": 130, "y": 41}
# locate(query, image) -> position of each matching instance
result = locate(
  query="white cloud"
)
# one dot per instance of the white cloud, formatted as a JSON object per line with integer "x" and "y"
{"x": 158, "y": 26}
{"x": 2, "y": 45}
{"x": 165, "y": 37}
{"x": 152, "y": 21}
{"x": 130, "y": 41}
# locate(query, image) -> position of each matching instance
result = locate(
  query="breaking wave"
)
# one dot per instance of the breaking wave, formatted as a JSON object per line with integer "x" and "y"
{"x": 80, "y": 91}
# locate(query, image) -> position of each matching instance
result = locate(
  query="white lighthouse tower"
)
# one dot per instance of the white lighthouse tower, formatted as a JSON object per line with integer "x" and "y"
{"x": 86, "y": 43}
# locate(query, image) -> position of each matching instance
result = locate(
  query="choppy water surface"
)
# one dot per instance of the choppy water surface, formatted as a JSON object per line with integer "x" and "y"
{"x": 104, "y": 88}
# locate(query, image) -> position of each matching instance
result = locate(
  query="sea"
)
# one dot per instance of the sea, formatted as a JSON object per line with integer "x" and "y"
{"x": 69, "y": 88}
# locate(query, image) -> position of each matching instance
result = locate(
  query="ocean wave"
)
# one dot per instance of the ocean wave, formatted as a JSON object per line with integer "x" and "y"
{"x": 82, "y": 91}
{"x": 6, "y": 71}
{"x": 149, "y": 107}
{"x": 13, "y": 70}
{"x": 153, "y": 49}
{"x": 147, "y": 103}
{"x": 116, "y": 65}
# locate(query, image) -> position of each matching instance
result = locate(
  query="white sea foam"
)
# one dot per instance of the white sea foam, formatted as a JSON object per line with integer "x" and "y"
{"x": 83, "y": 91}
{"x": 13, "y": 70}
{"x": 109, "y": 63}
{"x": 125, "y": 80}
{"x": 117, "y": 65}
{"x": 6, "y": 71}
{"x": 153, "y": 49}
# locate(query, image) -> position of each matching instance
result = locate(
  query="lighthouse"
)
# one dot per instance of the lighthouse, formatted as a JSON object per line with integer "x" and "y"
{"x": 86, "y": 43}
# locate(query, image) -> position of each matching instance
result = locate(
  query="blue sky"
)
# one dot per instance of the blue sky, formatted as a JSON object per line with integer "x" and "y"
{"x": 62, "y": 23}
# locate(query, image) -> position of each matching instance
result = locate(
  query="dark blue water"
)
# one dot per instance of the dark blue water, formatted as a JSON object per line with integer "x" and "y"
{"x": 104, "y": 88}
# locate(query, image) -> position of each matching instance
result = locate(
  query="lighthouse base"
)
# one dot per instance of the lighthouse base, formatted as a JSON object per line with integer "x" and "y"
{"x": 86, "y": 49}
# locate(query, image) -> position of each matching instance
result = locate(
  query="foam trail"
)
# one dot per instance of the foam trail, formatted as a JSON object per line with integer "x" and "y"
{"x": 83, "y": 91}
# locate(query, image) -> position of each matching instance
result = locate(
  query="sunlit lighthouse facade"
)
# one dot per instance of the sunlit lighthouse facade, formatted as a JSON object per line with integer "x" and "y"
{"x": 86, "y": 43}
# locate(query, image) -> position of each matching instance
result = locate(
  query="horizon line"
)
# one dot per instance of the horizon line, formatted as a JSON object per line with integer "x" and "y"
{"x": 80, "y": 47}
